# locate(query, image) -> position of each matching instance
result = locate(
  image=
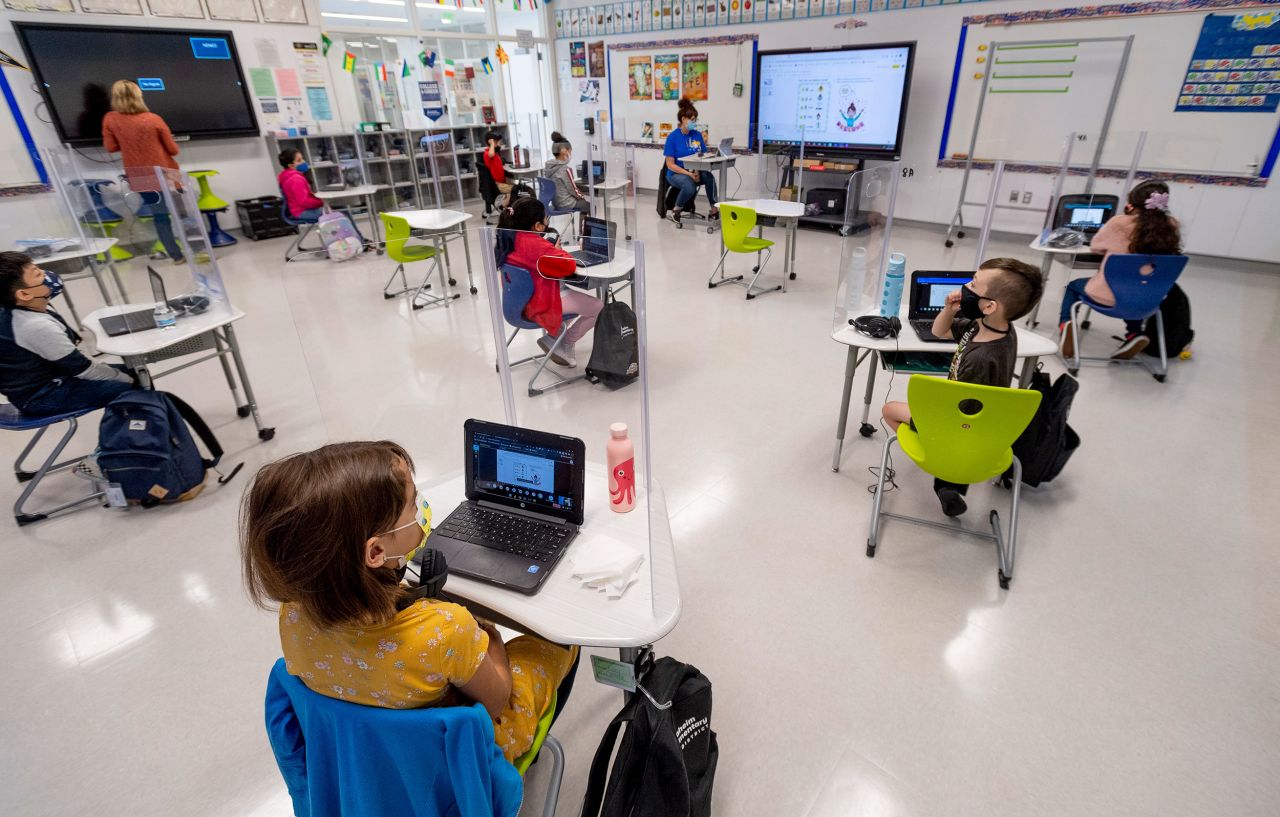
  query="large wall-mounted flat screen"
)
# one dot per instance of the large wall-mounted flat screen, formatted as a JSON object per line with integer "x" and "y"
{"x": 190, "y": 78}
{"x": 849, "y": 100}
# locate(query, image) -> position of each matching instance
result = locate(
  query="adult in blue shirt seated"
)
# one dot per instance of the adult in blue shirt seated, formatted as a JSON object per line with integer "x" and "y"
{"x": 687, "y": 141}
{"x": 41, "y": 370}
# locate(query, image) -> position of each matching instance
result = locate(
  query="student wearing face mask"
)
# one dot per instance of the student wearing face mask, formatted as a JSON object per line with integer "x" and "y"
{"x": 326, "y": 535}
{"x": 296, "y": 189}
{"x": 41, "y": 370}
{"x": 684, "y": 141}
{"x": 980, "y": 316}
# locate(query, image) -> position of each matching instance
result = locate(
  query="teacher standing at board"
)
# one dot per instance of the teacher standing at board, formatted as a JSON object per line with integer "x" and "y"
{"x": 144, "y": 142}
{"x": 686, "y": 140}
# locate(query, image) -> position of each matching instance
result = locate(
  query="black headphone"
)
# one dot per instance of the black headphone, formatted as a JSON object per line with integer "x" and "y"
{"x": 876, "y": 326}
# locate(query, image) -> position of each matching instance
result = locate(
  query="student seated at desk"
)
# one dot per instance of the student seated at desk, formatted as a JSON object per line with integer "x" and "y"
{"x": 41, "y": 371}
{"x": 326, "y": 534}
{"x": 520, "y": 243}
{"x": 560, "y": 172}
{"x": 492, "y": 158}
{"x": 684, "y": 141}
{"x": 979, "y": 316}
{"x": 1145, "y": 227}
{"x": 296, "y": 189}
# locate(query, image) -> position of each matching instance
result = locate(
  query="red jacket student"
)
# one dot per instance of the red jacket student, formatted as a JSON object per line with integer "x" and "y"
{"x": 521, "y": 244}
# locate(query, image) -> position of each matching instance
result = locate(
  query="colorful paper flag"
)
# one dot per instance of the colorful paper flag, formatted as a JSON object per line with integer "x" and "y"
{"x": 448, "y": 68}
{"x": 349, "y": 62}
{"x": 430, "y": 60}
{"x": 486, "y": 65}
{"x": 501, "y": 54}
{"x": 382, "y": 71}
{"x": 325, "y": 42}
{"x": 404, "y": 68}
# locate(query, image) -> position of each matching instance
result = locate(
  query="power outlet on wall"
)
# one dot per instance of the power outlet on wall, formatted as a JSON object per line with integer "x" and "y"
{"x": 1013, "y": 196}
{"x": 1026, "y": 197}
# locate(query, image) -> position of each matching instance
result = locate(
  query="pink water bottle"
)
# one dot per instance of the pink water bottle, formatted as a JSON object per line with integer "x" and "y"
{"x": 621, "y": 457}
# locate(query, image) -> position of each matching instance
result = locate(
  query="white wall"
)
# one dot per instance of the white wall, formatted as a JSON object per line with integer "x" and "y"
{"x": 1234, "y": 222}
{"x": 244, "y": 164}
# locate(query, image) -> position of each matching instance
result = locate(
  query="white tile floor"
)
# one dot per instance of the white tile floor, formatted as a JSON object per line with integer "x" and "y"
{"x": 1131, "y": 670}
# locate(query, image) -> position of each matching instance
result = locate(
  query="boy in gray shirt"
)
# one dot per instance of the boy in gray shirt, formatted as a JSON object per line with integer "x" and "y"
{"x": 41, "y": 370}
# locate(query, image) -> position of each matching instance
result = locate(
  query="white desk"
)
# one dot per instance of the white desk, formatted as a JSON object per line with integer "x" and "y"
{"x": 210, "y": 331}
{"x": 563, "y": 610}
{"x": 364, "y": 191}
{"x": 91, "y": 250}
{"x": 1048, "y": 253}
{"x": 442, "y": 226}
{"x": 786, "y": 213}
{"x": 603, "y": 276}
{"x": 523, "y": 172}
{"x": 1030, "y": 348}
{"x": 609, "y": 189}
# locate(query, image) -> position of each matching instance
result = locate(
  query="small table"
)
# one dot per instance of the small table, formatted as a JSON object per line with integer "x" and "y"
{"x": 523, "y": 172}
{"x": 366, "y": 192}
{"x": 787, "y": 213}
{"x": 442, "y": 226}
{"x": 609, "y": 189}
{"x": 1046, "y": 264}
{"x": 715, "y": 164}
{"x": 603, "y": 276}
{"x": 90, "y": 249}
{"x": 1030, "y": 348}
{"x": 563, "y": 611}
{"x": 208, "y": 331}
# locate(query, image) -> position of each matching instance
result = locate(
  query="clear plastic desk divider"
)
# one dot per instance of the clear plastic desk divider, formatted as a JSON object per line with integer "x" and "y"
{"x": 870, "y": 197}
{"x": 988, "y": 215}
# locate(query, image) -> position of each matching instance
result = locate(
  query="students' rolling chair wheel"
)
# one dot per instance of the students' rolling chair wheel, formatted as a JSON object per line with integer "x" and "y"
{"x": 452, "y": 282}
{"x": 265, "y": 434}
{"x": 866, "y": 429}
{"x": 793, "y": 276}
{"x": 243, "y": 411}
{"x": 948, "y": 243}
{"x": 871, "y": 550}
{"x": 710, "y": 230}
{"x": 1085, "y": 324}
{"x": 960, "y": 234}
{"x": 474, "y": 291}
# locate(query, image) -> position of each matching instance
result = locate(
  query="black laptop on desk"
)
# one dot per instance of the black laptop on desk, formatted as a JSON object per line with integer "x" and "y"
{"x": 598, "y": 242}
{"x": 139, "y": 320}
{"x": 929, "y": 291}
{"x": 523, "y": 508}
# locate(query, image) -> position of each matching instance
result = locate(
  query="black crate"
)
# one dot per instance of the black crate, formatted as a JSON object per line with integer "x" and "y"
{"x": 260, "y": 218}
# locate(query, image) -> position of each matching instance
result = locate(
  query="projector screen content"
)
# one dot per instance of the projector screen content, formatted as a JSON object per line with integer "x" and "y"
{"x": 850, "y": 100}
{"x": 192, "y": 79}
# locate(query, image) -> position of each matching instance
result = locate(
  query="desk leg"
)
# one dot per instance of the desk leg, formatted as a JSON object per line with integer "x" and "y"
{"x": 373, "y": 223}
{"x": 867, "y": 429}
{"x": 850, "y": 366}
{"x": 1028, "y": 368}
{"x": 263, "y": 432}
{"x": 139, "y": 366}
{"x": 1046, "y": 264}
{"x": 791, "y": 259}
{"x": 466, "y": 249}
{"x": 242, "y": 409}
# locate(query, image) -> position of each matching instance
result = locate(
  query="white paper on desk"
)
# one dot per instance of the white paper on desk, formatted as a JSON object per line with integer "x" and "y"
{"x": 609, "y": 567}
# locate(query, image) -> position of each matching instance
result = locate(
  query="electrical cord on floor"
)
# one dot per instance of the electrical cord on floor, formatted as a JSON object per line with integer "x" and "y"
{"x": 889, "y": 472}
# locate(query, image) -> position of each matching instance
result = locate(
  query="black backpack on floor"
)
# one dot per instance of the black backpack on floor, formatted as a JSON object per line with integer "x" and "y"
{"x": 666, "y": 763}
{"x": 1048, "y": 442}
{"x": 615, "y": 349}
{"x": 1175, "y": 309}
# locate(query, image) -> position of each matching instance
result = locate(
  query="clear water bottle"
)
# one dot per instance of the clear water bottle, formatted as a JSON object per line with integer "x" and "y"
{"x": 164, "y": 315}
{"x": 891, "y": 296}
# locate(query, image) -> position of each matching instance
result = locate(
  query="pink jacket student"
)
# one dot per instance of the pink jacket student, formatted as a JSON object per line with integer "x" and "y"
{"x": 297, "y": 192}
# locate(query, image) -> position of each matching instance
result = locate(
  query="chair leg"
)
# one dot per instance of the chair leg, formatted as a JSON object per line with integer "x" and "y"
{"x": 404, "y": 283}
{"x": 550, "y": 744}
{"x": 1073, "y": 365}
{"x": 561, "y": 380}
{"x": 874, "y": 533}
{"x": 21, "y": 473}
{"x": 432, "y": 300}
{"x": 713, "y": 282}
{"x": 1006, "y": 551}
{"x": 50, "y": 464}
{"x": 751, "y": 287}
{"x": 1164, "y": 352}
{"x": 295, "y": 249}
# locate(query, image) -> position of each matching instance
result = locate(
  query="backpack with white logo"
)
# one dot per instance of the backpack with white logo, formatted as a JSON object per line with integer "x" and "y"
{"x": 615, "y": 349}
{"x": 339, "y": 236}
{"x": 666, "y": 762}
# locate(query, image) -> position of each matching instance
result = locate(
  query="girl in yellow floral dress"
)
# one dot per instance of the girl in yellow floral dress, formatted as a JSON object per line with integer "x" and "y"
{"x": 327, "y": 534}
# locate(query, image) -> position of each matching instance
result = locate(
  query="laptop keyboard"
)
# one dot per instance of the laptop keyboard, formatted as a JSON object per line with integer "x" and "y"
{"x": 587, "y": 259}
{"x": 529, "y": 538}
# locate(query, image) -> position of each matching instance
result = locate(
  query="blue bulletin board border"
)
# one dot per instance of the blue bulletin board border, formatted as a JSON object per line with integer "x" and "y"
{"x": 1093, "y": 12}
{"x": 30, "y": 143}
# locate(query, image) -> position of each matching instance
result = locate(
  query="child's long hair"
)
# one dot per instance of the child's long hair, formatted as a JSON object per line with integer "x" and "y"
{"x": 520, "y": 216}
{"x": 304, "y": 524}
{"x": 1156, "y": 233}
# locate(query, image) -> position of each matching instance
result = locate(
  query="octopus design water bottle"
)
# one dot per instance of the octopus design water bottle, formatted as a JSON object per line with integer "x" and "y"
{"x": 620, "y": 454}
{"x": 891, "y": 296}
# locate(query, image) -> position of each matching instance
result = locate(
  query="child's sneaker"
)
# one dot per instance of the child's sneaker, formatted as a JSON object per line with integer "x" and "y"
{"x": 562, "y": 356}
{"x": 1067, "y": 341}
{"x": 1133, "y": 344}
{"x": 953, "y": 503}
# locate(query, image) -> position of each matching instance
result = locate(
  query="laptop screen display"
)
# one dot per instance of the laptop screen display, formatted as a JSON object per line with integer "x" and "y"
{"x": 526, "y": 469}
{"x": 1087, "y": 216}
{"x": 931, "y": 293}
{"x": 595, "y": 237}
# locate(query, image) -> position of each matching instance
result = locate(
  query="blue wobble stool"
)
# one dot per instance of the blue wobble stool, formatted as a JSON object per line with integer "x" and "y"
{"x": 211, "y": 205}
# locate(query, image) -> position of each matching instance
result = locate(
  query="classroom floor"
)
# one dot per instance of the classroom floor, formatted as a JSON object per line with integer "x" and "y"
{"x": 1131, "y": 670}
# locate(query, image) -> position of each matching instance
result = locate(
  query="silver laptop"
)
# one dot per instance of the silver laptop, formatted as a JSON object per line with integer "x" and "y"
{"x": 726, "y": 146}
{"x": 523, "y": 507}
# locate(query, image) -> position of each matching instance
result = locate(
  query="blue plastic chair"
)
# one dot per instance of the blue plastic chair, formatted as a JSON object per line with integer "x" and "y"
{"x": 13, "y": 420}
{"x": 517, "y": 290}
{"x": 1138, "y": 297}
{"x": 307, "y": 225}
{"x": 546, "y": 191}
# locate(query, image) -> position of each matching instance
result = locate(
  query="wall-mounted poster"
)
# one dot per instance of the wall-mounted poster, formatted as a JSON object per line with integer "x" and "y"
{"x": 560, "y": 32}
{"x": 595, "y": 58}
{"x": 759, "y": 9}
{"x": 677, "y": 13}
{"x": 664, "y": 130}
{"x": 638, "y": 15}
{"x": 699, "y": 13}
{"x": 694, "y": 75}
{"x": 640, "y": 77}
{"x": 600, "y": 19}
{"x": 624, "y": 19}
{"x": 1235, "y": 67}
{"x": 666, "y": 14}
{"x": 589, "y": 90}
{"x": 666, "y": 76}
{"x": 655, "y": 18}
{"x": 735, "y": 12}
{"x": 578, "y": 58}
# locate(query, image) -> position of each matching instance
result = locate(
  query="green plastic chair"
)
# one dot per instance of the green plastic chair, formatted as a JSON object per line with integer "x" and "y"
{"x": 543, "y": 739}
{"x": 964, "y": 434}
{"x": 736, "y": 224}
{"x": 398, "y": 233}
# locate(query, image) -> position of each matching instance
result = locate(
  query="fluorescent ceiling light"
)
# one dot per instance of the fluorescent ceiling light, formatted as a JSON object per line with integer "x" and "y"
{"x": 448, "y": 9}
{"x": 363, "y": 17}
{"x": 399, "y": 3}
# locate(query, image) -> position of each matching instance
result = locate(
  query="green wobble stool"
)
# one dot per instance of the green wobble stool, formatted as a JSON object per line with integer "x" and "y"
{"x": 211, "y": 205}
